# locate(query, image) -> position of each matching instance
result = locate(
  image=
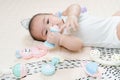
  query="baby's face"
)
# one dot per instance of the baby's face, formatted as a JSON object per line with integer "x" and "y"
{"x": 42, "y": 24}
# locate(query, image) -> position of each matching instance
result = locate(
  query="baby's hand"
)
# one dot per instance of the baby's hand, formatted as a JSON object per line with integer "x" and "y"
{"x": 54, "y": 37}
{"x": 71, "y": 23}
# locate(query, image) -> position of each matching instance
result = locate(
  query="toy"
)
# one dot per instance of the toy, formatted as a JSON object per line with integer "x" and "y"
{"x": 25, "y": 53}
{"x": 83, "y": 9}
{"x": 49, "y": 68}
{"x": 25, "y": 23}
{"x": 52, "y": 29}
{"x": 107, "y": 57}
{"x": 19, "y": 70}
{"x": 39, "y": 51}
{"x": 35, "y": 52}
{"x": 91, "y": 68}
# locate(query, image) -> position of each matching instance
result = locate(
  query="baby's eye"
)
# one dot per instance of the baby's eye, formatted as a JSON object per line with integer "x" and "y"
{"x": 48, "y": 21}
{"x": 46, "y": 32}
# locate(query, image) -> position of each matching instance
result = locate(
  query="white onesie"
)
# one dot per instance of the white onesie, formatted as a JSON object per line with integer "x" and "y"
{"x": 98, "y": 31}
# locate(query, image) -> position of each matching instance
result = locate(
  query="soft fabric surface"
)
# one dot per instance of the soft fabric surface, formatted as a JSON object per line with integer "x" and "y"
{"x": 14, "y": 37}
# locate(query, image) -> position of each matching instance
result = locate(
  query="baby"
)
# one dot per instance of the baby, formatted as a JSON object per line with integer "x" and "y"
{"x": 87, "y": 30}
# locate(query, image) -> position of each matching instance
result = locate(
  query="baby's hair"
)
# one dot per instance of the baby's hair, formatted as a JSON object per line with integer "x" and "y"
{"x": 30, "y": 25}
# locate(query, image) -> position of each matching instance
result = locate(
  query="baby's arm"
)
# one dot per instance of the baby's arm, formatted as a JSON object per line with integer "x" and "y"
{"x": 72, "y": 13}
{"x": 73, "y": 9}
{"x": 67, "y": 41}
{"x": 70, "y": 42}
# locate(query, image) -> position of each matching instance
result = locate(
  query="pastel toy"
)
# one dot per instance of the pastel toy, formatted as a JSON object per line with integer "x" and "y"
{"x": 25, "y": 54}
{"x": 91, "y": 69}
{"x": 58, "y": 14}
{"x": 55, "y": 61}
{"x": 49, "y": 68}
{"x": 50, "y": 45}
{"x": 36, "y": 52}
{"x": 19, "y": 70}
{"x": 18, "y": 55}
{"x": 95, "y": 54}
{"x": 39, "y": 51}
{"x": 116, "y": 57}
{"x": 83, "y": 9}
{"x": 52, "y": 29}
{"x": 25, "y": 23}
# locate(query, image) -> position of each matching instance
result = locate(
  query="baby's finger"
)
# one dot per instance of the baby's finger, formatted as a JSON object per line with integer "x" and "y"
{"x": 62, "y": 28}
{"x": 73, "y": 27}
{"x": 76, "y": 24}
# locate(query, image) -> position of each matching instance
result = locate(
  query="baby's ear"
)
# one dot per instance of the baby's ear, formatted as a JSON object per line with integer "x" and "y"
{"x": 25, "y": 23}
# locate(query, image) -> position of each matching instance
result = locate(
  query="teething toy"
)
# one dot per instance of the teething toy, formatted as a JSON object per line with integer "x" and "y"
{"x": 116, "y": 57}
{"x": 35, "y": 52}
{"x": 83, "y": 9}
{"x": 91, "y": 69}
{"x": 55, "y": 29}
{"x": 58, "y": 14}
{"x": 39, "y": 51}
{"x": 19, "y": 70}
{"x": 50, "y": 45}
{"x": 25, "y": 54}
{"x": 49, "y": 68}
{"x": 52, "y": 29}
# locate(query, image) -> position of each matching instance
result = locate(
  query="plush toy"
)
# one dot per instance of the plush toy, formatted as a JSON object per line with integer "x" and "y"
{"x": 25, "y": 53}
{"x": 19, "y": 70}
{"x": 39, "y": 51}
{"x": 91, "y": 69}
{"x": 83, "y": 9}
{"x": 48, "y": 69}
{"x": 52, "y": 29}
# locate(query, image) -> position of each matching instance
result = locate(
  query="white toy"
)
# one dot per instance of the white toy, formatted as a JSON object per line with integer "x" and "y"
{"x": 113, "y": 60}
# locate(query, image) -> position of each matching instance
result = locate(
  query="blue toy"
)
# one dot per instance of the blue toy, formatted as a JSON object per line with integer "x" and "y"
{"x": 25, "y": 53}
{"x": 91, "y": 68}
{"x": 19, "y": 70}
{"x": 59, "y": 14}
{"x": 52, "y": 29}
{"x": 49, "y": 69}
{"x": 83, "y": 9}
